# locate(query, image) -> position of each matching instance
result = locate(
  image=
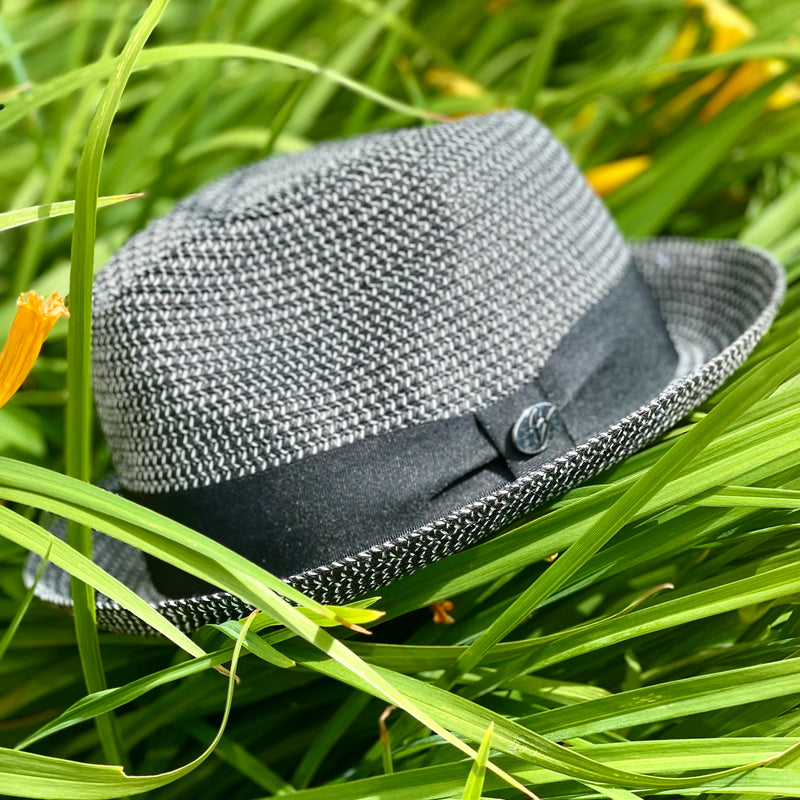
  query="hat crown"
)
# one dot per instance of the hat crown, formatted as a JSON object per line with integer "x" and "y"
{"x": 313, "y": 300}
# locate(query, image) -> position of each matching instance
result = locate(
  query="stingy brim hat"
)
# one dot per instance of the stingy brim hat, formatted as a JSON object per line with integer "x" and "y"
{"x": 349, "y": 363}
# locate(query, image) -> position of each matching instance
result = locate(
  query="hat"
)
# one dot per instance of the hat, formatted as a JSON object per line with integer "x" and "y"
{"x": 348, "y": 363}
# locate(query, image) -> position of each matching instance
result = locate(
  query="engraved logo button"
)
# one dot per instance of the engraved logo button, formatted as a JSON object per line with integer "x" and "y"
{"x": 531, "y": 432}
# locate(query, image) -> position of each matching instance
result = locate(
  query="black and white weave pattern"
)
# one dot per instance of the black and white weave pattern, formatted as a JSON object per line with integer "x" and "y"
{"x": 456, "y": 257}
{"x": 309, "y": 301}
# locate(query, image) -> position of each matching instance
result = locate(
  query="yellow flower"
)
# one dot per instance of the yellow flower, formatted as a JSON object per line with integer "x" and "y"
{"x": 608, "y": 177}
{"x": 788, "y": 94}
{"x": 452, "y": 83}
{"x": 685, "y": 41}
{"x": 729, "y": 27}
{"x": 34, "y": 320}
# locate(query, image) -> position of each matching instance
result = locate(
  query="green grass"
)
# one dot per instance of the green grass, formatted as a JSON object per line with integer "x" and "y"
{"x": 656, "y": 657}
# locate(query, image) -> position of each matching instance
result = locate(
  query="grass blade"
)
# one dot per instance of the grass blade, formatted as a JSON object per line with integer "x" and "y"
{"x": 79, "y": 402}
{"x": 543, "y": 52}
{"x": 18, "y": 107}
{"x": 9, "y": 632}
{"x": 23, "y": 216}
{"x": 36, "y": 776}
{"x": 474, "y": 786}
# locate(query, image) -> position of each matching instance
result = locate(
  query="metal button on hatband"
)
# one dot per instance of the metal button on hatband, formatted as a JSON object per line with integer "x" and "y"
{"x": 531, "y": 432}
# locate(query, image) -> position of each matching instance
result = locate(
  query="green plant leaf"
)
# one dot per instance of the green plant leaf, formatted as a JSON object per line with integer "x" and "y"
{"x": 78, "y": 433}
{"x": 35, "y": 776}
{"x": 23, "y": 216}
{"x": 474, "y": 786}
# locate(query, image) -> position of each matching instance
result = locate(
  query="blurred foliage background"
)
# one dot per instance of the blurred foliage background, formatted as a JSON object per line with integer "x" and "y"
{"x": 685, "y": 116}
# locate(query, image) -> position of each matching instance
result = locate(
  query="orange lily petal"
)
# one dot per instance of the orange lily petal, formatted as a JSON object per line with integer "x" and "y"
{"x": 608, "y": 177}
{"x": 746, "y": 78}
{"x": 680, "y": 104}
{"x": 34, "y": 320}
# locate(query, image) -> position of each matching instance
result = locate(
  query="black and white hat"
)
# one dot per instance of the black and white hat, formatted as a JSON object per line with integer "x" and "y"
{"x": 349, "y": 363}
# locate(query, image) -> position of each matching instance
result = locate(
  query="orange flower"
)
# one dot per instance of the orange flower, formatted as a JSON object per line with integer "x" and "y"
{"x": 440, "y": 609}
{"x": 746, "y": 78}
{"x": 34, "y": 320}
{"x": 608, "y": 177}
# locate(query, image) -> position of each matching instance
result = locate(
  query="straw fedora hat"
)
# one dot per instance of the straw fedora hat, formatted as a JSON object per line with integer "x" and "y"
{"x": 349, "y": 363}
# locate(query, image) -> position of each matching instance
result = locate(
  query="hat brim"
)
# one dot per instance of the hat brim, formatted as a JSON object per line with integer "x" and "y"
{"x": 717, "y": 300}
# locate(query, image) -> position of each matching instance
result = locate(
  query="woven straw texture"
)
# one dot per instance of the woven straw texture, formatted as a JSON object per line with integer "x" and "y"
{"x": 310, "y": 301}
